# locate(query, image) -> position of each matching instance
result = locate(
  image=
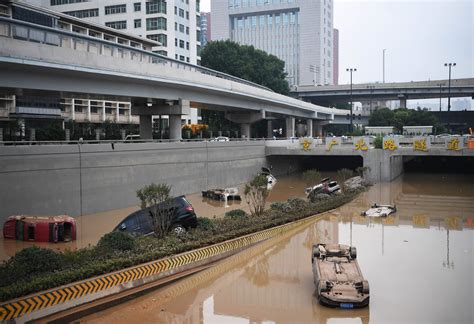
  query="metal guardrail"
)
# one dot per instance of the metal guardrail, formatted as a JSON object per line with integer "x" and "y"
{"x": 30, "y": 32}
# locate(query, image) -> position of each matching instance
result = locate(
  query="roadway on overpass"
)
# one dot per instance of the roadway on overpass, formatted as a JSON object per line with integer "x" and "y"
{"x": 386, "y": 91}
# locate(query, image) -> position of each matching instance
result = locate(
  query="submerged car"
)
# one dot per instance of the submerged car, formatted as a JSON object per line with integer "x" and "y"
{"x": 222, "y": 194}
{"x": 326, "y": 186}
{"x": 141, "y": 222}
{"x": 337, "y": 276}
{"x": 40, "y": 228}
{"x": 271, "y": 180}
{"x": 380, "y": 210}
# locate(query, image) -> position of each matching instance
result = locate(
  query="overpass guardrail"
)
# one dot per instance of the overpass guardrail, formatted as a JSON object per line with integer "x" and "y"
{"x": 26, "y": 31}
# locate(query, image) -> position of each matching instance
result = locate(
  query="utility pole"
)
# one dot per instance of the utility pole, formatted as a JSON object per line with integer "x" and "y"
{"x": 350, "y": 117}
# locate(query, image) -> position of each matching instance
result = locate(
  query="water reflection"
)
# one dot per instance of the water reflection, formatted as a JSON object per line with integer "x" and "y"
{"x": 419, "y": 260}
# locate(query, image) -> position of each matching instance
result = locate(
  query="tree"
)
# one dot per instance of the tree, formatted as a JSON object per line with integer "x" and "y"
{"x": 343, "y": 175}
{"x": 312, "y": 177}
{"x": 405, "y": 117}
{"x": 246, "y": 62}
{"x": 157, "y": 198}
{"x": 256, "y": 194}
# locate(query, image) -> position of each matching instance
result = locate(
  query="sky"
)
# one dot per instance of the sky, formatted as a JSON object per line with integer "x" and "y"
{"x": 419, "y": 37}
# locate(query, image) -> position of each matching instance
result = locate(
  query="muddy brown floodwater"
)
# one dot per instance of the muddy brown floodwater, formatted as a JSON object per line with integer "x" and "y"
{"x": 419, "y": 264}
{"x": 90, "y": 228}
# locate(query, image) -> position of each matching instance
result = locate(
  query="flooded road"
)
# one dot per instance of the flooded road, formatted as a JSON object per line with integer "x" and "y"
{"x": 419, "y": 264}
{"x": 90, "y": 228}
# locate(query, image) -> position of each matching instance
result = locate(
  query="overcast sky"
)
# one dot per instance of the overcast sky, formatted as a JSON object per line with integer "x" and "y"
{"x": 419, "y": 35}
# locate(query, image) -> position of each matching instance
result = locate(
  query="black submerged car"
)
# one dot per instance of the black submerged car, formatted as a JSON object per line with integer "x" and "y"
{"x": 141, "y": 222}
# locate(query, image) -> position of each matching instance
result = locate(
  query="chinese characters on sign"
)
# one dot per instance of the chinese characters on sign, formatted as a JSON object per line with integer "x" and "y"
{"x": 360, "y": 144}
{"x": 390, "y": 143}
{"x": 421, "y": 144}
{"x": 331, "y": 141}
{"x": 454, "y": 143}
{"x": 306, "y": 144}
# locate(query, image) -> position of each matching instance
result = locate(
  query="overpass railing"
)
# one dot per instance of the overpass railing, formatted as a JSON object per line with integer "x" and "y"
{"x": 25, "y": 31}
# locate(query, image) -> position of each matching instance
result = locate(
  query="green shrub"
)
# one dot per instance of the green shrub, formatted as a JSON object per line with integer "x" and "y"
{"x": 236, "y": 213}
{"x": 30, "y": 261}
{"x": 281, "y": 206}
{"x": 297, "y": 204}
{"x": 205, "y": 223}
{"x": 116, "y": 241}
{"x": 378, "y": 142}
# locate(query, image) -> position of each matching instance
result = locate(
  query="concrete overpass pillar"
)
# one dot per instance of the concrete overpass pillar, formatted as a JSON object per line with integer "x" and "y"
{"x": 245, "y": 130}
{"x": 403, "y": 102}
{"x": 309, "y": 127}
{"x": 175, "y": 127}
{"x": 173, "y": 108}
{"x": 146, "y": 127}
{"x": 318, "y": 128}
{"x": 290, "y": 126}
{"x": 245, "y": 119}
{"x": 269, "y": 129}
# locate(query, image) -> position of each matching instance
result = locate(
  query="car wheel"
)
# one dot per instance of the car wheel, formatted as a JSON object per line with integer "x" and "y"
{"x": 353, "y": 252}
{"x": 316, "y": 251}
{"x": 179, "y": 229}
{"x": 323, "y": 286}
{"x": 365, "y": 287}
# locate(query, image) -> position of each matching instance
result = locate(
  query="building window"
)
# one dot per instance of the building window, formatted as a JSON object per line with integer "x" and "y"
{"x": 158, "y": 23}
{"x": 176, "y": 42}
{"x": 181, "y": 13}
{"x": 181, "y": 57}
{"x": 156, "y": 6}
{"x": 164, "y": 53}
{"x": 277, "y": 19}
{"x": 62, "y": 2}
{"x": 187, "y": 30}
{"x": 187, "y": 15}
{"x": 175, "y": 10}
{"x": 261, "y": 20}
{"x": 270, "y": 20}
{"x": 162, "y": 38}
{"x": 84, "y": 13}
{"x": 137, "y": 23}
{"x": 117, "y": 24}
{"x": 187, "y": 45}
{"x": 181, "y": 43}
{"x": 181, "y": 28}
{"x": 176, "y": 26}
{"x": 111, "y": 10}
{"x": 137, "y": 6}
{"x": 187, "y": 60}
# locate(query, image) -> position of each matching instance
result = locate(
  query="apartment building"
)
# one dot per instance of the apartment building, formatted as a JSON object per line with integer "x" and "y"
{"x": 299, "y": 32}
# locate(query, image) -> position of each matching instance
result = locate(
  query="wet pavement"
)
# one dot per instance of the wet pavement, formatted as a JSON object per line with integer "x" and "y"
{"x": 419, "y": 263}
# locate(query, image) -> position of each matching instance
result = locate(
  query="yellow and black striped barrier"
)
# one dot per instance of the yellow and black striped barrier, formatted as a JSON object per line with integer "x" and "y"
{"x": 54, "y": 300}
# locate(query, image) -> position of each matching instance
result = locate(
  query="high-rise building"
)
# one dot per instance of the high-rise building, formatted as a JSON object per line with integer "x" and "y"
{"x": 173, "y": 23}
{"x": 205, "y": 28}
{"x": 299, "y": 32}
{"x": 335, "y": 51}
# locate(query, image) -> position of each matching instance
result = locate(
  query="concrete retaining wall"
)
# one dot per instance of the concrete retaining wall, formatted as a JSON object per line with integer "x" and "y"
{"x": 84, "y": 179}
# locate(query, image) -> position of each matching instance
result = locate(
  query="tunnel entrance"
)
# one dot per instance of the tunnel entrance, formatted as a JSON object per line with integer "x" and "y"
{"x": 439, "y": 164}
{"x": 331, "y": 163}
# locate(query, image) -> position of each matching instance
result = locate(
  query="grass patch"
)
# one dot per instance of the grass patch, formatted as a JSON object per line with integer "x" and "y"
{"x": 35, "y": 269}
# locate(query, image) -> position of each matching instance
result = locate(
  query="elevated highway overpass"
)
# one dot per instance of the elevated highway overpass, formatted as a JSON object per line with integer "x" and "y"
{"x": 40, "y": 59}
{"x": 402, "y": 91}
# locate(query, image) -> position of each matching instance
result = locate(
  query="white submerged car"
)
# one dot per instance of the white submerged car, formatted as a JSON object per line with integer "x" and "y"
{"x": 380, "y": 210}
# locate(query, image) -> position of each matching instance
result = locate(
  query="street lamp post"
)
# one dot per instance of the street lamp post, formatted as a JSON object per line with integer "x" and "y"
{"x": 383, "y": 65}
{"x": 440, "y": 85}
{"x": 350, "y": 117}
{"x": 449, "y": 84}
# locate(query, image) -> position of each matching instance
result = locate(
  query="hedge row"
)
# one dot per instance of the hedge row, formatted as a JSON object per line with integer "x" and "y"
{"x": 35, "y": 269}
